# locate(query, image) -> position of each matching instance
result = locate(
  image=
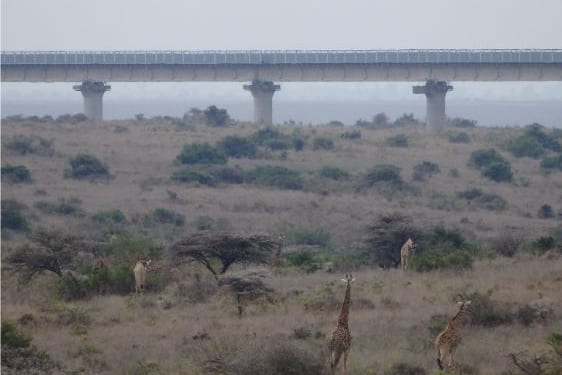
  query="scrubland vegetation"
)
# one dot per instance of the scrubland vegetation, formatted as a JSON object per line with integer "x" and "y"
{"x": 483, "y": 204}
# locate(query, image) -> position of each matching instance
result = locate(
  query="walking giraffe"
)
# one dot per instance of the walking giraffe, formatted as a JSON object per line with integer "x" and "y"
{"x": 407, "y": 249}
{"x": 447, "y": 341}
{"x": 341, "y": 337}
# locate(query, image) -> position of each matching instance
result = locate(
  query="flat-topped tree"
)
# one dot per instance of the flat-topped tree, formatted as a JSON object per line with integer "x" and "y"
{"x": 225, "y": 249}
{"x": 51, "y": 250}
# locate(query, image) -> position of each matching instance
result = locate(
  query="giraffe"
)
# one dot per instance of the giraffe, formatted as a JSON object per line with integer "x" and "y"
{"x": 341, "y": 337}
{"x": 407, "y": 249}
{"x": 447, "y": 341}
{"x": 140, "y": 274}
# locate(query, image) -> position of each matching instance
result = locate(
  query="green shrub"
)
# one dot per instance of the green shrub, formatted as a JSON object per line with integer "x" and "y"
{"x": 487, "y": 313}
{"x": 22, "y": 144}
{"x": 276, "y": 144}
{"x": 536, "y": 131}
{"x": 227, "y": 175}
{"x": 192, "y": 175}
{"x": 437, "y": 323}
{"x": 470, "y": 194}
{"x": 460, "y": 122}
{"x": 542, "y": 244}
{"x": 307, "y": 260}
{"x": 121, "y": 278}
{"x": 450, "y": 237}
{"x": 215, "y": 116}
{"x": 315, "y": 237}
{"x": 398, "y": 140}
{"x": 334, "y": 173}
{"x": 432, "y": 260}
{"x": 507, "y": 244}
{"x": 165, "y": 216}
{"x": 546, "y": 212}
{"x": 554, "y": 162}
{"x": 322, "y": 143}
{"x": 484, "y": 157}
{"x": 498, "y": 171}
{"x": 114, "y": 216}
{"x": 407, "y": 119}
{"x": 12, "y": 216}
{"x": 238, "y": 147}
{"x": 425, "y": 170}
{"x": 555, "y": 341}
{"x": 383, "y": 173}
{"x": 15, "y": 174}
{"x": 461, "y": 137}
{"x": 201, "y": 153}
{"x": 63, "y": 207}
{"x": 127, "y": 249}
{"x": 526, "y": 146}
{"x": 84, "y": 165}
{"x": 72, "y": 119}
{"x": 491, "y": 202}
{"x": 266, "y": 134}
{"x": 70, "y": 287}
{"x": 12, "y": 338}
{"x": 526, "y": 315}
{"x": 275, "y": 176}
{"x": 298, "y": 143}
{"x": 353, "y": 134}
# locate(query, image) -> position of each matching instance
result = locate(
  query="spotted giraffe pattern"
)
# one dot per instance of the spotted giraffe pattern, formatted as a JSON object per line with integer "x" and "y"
{"x": 447, "y": 341}
{"x": 407, "y": 249}
{"x": 340, "y": 342}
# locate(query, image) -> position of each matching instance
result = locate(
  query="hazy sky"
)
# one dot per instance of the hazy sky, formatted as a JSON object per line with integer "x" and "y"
{"x": 282, "y": 24}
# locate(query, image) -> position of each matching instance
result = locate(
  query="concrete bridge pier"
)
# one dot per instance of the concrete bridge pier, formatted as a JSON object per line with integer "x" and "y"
{"x": 263, "y": 91}
{"x": 92, "y": 92}
{"x": 435, "y": 92}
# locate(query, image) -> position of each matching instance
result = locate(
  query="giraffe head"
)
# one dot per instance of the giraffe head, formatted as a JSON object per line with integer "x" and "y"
{"x": 349, "y": 279}
{"x": 463, "y": 302}
{"x": 413, "y": 245}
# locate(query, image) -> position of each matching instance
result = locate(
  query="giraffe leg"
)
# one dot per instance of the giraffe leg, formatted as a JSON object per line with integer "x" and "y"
{"x": 336, "y": 355}
{"x": 440, "y": 358}
{"x": 451, "y": 360}
{"x": 345, "y": 354}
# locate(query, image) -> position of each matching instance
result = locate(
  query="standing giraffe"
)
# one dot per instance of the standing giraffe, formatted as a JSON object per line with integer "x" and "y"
{"x": 341, "y": 337}
{"x": 407, "y": 249}
{"x": 447, "y": 341}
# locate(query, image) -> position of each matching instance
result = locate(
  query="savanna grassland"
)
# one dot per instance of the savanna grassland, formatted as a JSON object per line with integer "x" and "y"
{"x": 489, "y": 224}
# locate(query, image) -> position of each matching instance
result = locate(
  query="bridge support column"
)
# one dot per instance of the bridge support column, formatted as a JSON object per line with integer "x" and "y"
{"x": 263, "y": 91}
{"x": 92, "y": 92}
{"x": 435, "y": 92}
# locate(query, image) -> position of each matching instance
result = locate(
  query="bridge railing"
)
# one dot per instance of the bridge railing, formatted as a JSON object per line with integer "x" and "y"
{"x": 254, "y": 57}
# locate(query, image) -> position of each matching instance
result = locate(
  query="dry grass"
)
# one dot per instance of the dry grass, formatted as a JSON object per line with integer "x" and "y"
{"x": 134, "y": 335}
{"x": 126, "y": 332}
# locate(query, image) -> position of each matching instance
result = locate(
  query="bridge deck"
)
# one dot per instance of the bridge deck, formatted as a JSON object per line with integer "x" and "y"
{"x": 531, "y": 56}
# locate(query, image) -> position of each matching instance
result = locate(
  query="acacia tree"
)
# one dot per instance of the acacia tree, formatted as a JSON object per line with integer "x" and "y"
{"x": 246, "y": 287}
{"x": 51, "y": 250}
{"x": 225, "y": 249}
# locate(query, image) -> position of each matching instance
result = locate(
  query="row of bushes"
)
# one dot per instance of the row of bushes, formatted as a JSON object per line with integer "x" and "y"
{"x": 247, "y": 147}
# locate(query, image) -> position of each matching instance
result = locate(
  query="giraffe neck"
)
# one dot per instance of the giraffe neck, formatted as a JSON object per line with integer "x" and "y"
{"x": 458, "y": 320}
{"x": 344, "y": 314}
